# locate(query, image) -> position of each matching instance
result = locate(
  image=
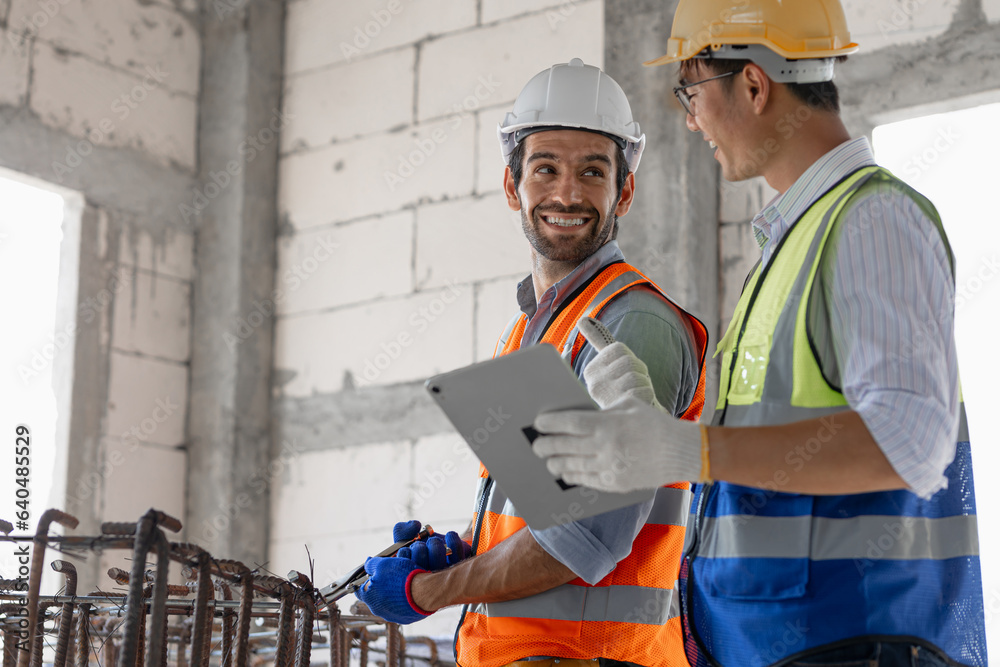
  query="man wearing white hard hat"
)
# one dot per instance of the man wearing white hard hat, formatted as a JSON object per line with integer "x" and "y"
{"x": 598, "y": 589}
{"x": 840, "y": 528}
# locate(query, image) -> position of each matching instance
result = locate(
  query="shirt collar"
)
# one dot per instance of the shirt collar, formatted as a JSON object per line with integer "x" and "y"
{"x": 554, "y": 296}
{"x": 785, "y": 209}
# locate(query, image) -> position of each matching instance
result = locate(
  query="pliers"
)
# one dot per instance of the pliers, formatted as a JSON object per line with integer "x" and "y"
{"x": 354, "y": 580}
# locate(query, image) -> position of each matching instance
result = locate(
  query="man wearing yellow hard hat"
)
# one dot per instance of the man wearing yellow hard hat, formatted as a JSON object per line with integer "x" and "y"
{"x": 834, "y": 521}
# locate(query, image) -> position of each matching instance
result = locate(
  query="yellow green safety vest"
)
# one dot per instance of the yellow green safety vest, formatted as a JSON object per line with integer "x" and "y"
{"x": 771, "y": 575}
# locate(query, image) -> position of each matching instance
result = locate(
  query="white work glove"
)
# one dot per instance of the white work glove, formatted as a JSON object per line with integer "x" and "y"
{"x": 630, "y": 446}
{"x": 615, "y": 373}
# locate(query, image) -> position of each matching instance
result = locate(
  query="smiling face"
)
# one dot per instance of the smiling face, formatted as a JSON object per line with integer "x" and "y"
{"x": 568, "y": 196}
{"x": 717, "y": 115}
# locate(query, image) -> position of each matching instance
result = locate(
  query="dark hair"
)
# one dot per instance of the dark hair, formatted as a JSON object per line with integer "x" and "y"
{"x": 823, "y": 95}
{"x": 517, "y": 167}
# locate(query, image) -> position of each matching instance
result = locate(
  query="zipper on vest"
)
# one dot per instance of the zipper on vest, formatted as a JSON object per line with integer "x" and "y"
{"x": 774, "y": 257}
{"x": 487, "y": 487}
{"x": 692, "y": 555}
{"x": 743, "y": 326}
{"x": 686, "y": 600}
{"x": 576, "y": 293}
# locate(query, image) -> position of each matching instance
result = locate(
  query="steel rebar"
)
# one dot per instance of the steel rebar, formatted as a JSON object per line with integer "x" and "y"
{"x": 83, "y": 636}
{"x": 227, "y": 625}
{"x": 40, "y": 541}
{"x": 286, "y": 594}
{"x": 245, "y": 575}
{"x": 392, "y": 645}
{"x": 39, "y": 646}
{"x": 11, "y": 634}
{"x": 304, "y": 649}
{"x": 147, "y": 536}
{"x": 202, "y": 632}
{"x": 68, "y": 570}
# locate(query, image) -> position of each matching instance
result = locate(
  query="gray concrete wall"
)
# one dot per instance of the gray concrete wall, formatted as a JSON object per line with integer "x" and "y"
{"x": 100, "y": 98}
{"x": 234, "y": 207}
{"x": 397, "y": 257}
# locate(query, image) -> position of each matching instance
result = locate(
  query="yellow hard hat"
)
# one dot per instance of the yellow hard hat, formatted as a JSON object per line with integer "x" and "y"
{"x": 793, "y": 29}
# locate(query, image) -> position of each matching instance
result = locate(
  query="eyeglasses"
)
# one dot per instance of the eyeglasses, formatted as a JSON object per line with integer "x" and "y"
{"x": 680, "y": 92}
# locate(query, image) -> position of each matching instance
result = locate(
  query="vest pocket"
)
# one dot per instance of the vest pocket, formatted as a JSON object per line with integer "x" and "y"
{"x": 747, "y": 384}
{"x": 750, "y": 555}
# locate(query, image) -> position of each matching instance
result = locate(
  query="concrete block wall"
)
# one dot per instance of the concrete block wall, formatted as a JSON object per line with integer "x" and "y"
{"x": 122, "y": 74}
{"x": 398, "y": 257}
{"x": 101, "y": 98}
{"x": 142, "y": 454}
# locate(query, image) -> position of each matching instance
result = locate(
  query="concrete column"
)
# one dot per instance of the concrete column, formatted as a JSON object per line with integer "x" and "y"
{"x": 80, "y": 379}
{"x": 672, "y": 231}
{"x": 229, "y": 427}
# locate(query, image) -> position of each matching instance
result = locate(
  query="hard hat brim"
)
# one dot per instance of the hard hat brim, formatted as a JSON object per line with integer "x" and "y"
{"x": 687, "y": 51}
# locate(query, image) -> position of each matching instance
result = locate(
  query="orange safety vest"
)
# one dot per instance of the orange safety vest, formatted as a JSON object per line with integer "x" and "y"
{"x": 632, "y": 614}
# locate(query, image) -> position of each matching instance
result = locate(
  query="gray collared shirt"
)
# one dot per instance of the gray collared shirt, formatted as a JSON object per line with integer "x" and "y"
{"x": 657, "y": 335}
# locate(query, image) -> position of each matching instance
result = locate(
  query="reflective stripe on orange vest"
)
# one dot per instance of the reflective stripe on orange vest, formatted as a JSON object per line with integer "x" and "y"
{"x": 632, "y": 614}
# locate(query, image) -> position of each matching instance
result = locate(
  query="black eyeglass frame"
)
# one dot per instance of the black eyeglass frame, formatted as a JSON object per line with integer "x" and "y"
{"x": 680, "y": 92}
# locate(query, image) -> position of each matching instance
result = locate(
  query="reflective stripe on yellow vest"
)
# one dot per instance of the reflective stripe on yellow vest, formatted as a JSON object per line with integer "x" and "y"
{"x": 632, "y": 614}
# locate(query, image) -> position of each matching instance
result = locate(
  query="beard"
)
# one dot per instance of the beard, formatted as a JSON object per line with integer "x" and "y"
{"x": 564, "y": 247}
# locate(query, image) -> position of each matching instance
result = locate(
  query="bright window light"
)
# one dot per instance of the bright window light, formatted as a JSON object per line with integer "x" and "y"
{"x": 30, "y": 236}
{"x": 951, "y": 159}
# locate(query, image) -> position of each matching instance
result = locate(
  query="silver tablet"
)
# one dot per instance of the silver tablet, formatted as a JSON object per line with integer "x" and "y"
{"x": 493, "y": 405}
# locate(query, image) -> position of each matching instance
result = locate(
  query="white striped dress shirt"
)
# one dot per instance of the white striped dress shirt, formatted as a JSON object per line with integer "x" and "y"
{"x": 890, "y": 297}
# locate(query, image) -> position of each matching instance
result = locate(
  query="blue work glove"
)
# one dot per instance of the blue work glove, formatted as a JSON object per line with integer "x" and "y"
{"x": 433, "y": 554}
{"x": 387, "y": 591}
{"x": 405, "y": 530}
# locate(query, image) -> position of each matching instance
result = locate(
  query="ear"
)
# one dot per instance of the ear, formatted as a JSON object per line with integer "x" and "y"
{"x": 510, "y": 190}
{"x": 758, "y": 87}
{"x": 628, "y": 192}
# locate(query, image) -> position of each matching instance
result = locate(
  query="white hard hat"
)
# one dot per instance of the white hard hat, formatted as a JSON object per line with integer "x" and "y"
{"x": 573, "y": 95}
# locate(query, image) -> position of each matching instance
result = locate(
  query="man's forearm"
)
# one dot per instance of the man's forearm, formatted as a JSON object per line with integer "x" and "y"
{"x": 515, "y": 568}
{"x": 830, "y": 455}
